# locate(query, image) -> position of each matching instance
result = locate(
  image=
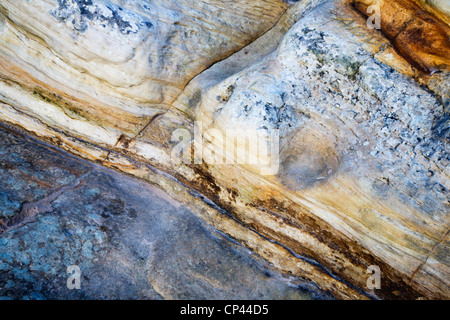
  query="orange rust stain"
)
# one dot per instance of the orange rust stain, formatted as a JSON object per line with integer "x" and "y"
{"x": 418, "y": 36}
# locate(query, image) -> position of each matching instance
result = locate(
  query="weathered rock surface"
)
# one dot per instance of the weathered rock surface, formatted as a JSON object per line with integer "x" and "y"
{"x": 417, "y": 34}
{"x": 362, "y": 176}
{"x": 130, "y": 241}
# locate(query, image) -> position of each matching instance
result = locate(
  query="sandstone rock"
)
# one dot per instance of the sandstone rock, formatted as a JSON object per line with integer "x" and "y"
{"x": 417, "y": 35}
{"x": 130, "y": 241}
{"x": 360, "y": 174}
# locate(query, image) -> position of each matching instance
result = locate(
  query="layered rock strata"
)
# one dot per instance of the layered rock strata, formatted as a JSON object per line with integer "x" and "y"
{"x": 357, "y": 121}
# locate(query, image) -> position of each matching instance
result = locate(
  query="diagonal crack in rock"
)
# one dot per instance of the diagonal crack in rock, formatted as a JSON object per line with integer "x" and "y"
{"x": 30, "y": 210}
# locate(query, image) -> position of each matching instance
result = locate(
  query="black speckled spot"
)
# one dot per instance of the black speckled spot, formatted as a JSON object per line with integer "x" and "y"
{"x": 81, "y": 12}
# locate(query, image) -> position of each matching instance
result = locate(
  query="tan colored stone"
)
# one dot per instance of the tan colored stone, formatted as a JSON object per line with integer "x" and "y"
{"x": 419, "y": 36}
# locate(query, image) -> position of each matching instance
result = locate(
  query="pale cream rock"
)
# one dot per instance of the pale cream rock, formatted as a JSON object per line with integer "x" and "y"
{"x": 363, "y": 176}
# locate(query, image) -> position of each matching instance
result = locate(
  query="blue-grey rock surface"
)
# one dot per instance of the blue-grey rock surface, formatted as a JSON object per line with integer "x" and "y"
{"x": 129, "y": 240}
{"x": 356, "y": 177}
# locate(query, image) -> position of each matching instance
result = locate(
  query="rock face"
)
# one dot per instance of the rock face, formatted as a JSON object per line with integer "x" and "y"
{"x": 417, "y": 34}
{"x": 130, "y": 241}
{"x": 352, "y": 122}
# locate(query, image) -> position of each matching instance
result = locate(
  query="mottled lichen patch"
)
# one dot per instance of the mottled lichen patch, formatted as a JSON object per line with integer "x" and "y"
{"x": 29, "y": 172}
{"x": 419, "y": 36}
{"x": 79, "y": 14}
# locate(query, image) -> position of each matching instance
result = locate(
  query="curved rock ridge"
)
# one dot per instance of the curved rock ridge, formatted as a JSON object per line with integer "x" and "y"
{"x": 354, "y": 172}
{"x": 129, "y": 60}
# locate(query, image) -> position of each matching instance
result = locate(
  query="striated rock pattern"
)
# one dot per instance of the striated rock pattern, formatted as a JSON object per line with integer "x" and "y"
{"x": 360, "y": 177}
{"x": 127, "y": 60}
{"x": 130, "y": 241}
{"x": 417, "y": 34}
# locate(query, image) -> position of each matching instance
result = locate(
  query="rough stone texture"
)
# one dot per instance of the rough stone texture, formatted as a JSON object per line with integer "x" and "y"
{"x": 416, "y": 34}
{"x": 130, "y": 241}
{"x": 129, "y": 59}
{"x": 363, "y": 175}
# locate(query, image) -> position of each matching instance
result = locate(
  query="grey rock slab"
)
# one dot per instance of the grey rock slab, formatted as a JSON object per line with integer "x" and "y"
{"x": 128, "y": 240}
